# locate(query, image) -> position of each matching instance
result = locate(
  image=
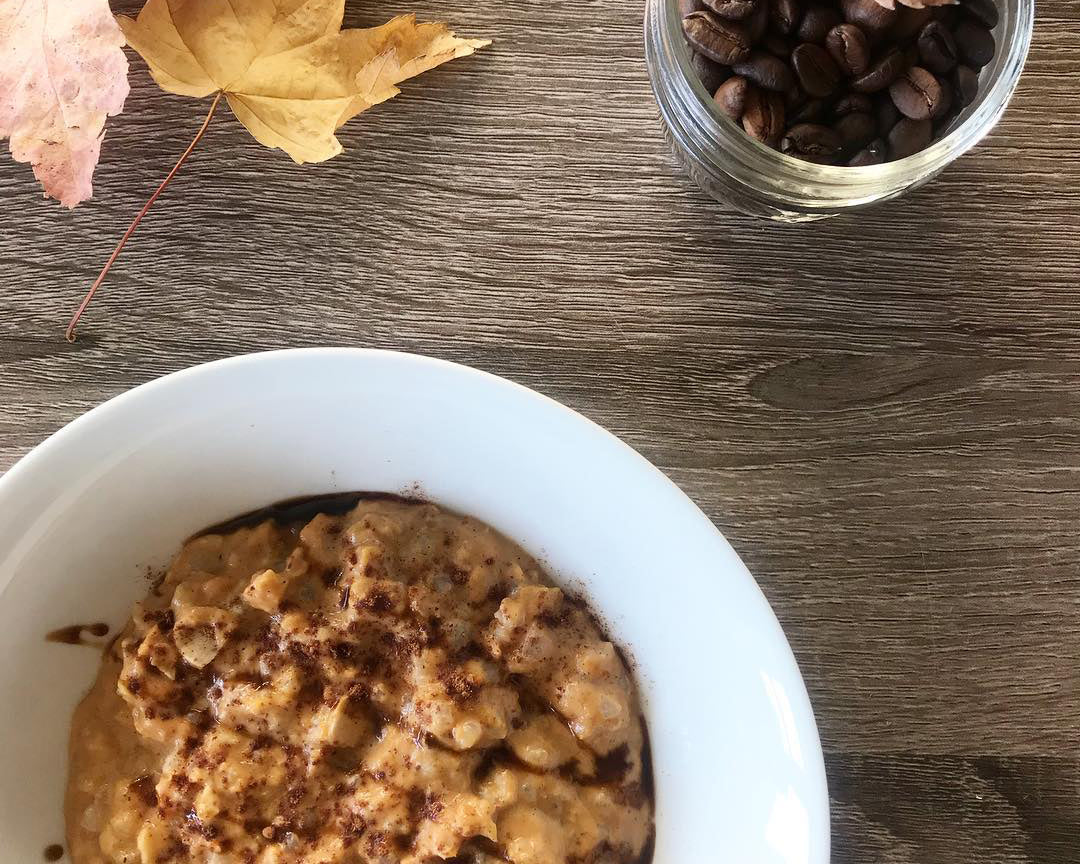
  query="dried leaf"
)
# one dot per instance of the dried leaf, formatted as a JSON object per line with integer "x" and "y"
{"x": 289, "y": 72}
{"x": 62, "y": 71}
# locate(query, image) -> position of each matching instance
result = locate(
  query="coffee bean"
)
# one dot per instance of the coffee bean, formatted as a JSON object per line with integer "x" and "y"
{"x": 853, "y": 103}
{"x": 817, "y": 72}
{"x": 758, "y": 22}
{"x": 849, "y": 47}
{"x": 811, "y": 142}
{"x": 868, "y": 14}
{"x": 777, "y": 44}
{"x": 720, "y": 40}
{"x": 911, "y": 55}
{"x": 886, "y": 114}
{"x": 909, "y": 136}
{"x": 937, "y": 48}
{"x": 766, "y": 71}
{"x": 943, "y": 124}
{"x": 763, "y": 116}
{"x": 816, "y": 22}
{"x": 983, "y": 11}
{"x": 948, "y": 15}
{"x": 945, "y": 103}
{"x": 909, "y": 22}
{"x": 709, "y": 72}
{"x": 872, "y": 154}
{"x": 965, "y": 81}
{"x": 855, "y": 131}
{"x": 882, "y": 73}
{"x": 689, "y": 7}
{"x": 733, "y": 10}
{"x": 808, "y": 111}
{"x": 974, "y": 43}
{"x": 916, "y": 93}
{"x": 785, "y": 15}
{"x": 794, "y": 99}
{"x": 730, "y": 97}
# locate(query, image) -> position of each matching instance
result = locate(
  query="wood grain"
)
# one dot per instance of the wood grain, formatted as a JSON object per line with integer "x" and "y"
{"x": 881, "y": 412}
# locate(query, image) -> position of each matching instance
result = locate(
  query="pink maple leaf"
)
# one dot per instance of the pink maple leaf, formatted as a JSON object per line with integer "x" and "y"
{"x": 62, "y": 71}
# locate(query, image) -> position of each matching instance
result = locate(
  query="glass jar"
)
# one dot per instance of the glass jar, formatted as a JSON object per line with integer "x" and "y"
{"x": 732, "y": 167}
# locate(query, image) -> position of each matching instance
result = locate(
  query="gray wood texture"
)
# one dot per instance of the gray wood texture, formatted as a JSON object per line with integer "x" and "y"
{"x": 881, "y": 412}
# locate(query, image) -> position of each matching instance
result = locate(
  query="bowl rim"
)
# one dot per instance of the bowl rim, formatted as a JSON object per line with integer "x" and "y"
{"x": 803, "y": 717}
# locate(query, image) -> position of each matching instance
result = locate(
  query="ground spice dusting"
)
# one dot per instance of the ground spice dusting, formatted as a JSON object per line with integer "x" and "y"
{"x": 143, "y": 788}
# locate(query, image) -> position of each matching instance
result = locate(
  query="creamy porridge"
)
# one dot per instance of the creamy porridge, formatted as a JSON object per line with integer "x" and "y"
{"x": 382, "y": 682}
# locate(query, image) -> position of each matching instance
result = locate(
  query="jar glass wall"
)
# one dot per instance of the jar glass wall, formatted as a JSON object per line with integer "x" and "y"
{"x": 734, "y": 168}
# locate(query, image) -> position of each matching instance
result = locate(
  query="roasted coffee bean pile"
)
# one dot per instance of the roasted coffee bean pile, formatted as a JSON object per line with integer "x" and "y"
{"x": 840, "y": 82}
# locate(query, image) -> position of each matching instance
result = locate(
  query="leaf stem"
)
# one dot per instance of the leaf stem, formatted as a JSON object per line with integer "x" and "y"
{"x": 70, "y": 333}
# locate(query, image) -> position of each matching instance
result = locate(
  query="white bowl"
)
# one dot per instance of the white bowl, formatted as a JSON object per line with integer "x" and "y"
{"x": 738, "y": 766}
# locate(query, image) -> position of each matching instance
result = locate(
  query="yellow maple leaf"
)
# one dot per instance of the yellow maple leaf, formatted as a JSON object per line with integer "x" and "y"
{"x": 291, "y": 75}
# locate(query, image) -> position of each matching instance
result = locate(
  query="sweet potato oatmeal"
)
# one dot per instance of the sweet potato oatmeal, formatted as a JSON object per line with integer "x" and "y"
{"x": 383, "y": 682}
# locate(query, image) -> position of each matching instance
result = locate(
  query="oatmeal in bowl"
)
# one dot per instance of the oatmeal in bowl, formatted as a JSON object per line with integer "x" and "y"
{"x": 361, "y": 679}
{"x": 735, "y": 758}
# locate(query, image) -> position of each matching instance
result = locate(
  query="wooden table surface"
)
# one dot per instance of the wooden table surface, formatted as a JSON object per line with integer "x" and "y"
{"x": 881, "y": 412}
